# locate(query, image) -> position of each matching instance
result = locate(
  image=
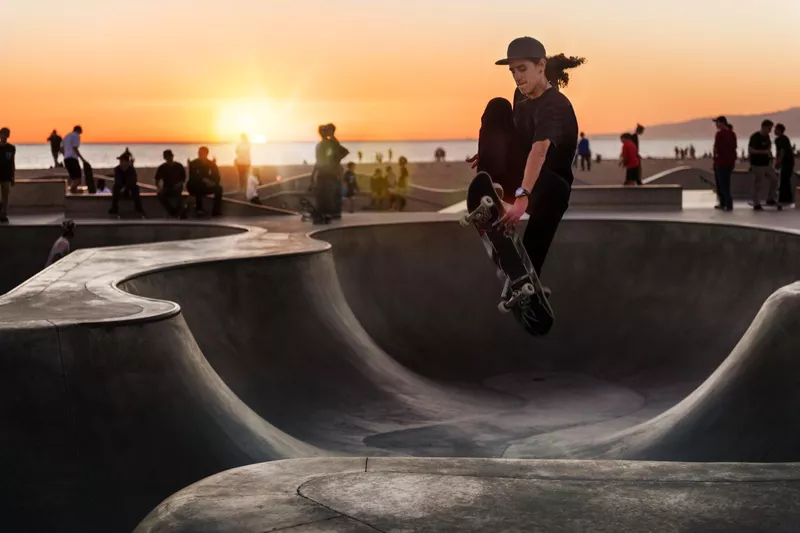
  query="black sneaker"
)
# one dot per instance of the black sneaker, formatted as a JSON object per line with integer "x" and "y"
{"x": 758, "y": 207}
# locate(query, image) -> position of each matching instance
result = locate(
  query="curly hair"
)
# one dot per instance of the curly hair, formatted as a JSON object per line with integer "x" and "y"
{"x": 557, "y": 66}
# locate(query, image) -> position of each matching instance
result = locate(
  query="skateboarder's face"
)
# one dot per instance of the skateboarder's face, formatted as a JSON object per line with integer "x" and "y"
{"x": 527, "y": 74}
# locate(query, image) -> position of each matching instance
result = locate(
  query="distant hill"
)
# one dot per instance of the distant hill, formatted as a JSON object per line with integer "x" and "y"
{"x": 700, "y": 128}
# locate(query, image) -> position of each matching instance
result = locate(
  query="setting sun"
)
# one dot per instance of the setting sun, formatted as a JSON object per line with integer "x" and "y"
{"x": 253, "y": 118}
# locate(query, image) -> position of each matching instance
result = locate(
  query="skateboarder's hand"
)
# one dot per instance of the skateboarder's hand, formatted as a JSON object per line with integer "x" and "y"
{"x": 473, "y": 160}
{"x": 514, "y": 213}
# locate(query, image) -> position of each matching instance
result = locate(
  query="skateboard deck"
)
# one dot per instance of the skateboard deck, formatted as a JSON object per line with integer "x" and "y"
{"x": 708, "y": 182}
{"x": 484, "y": 209}
{"x": 88, "y": 177}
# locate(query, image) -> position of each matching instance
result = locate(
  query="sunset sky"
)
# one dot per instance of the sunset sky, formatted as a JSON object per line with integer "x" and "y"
{"x": 202, "y": 70}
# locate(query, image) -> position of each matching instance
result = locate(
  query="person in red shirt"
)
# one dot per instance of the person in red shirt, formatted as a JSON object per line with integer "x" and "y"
{"x": 725, "y": 147}
{"x": 629, "y": 158}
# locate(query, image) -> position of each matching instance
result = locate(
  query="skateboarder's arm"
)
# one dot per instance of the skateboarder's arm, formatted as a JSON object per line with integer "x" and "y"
{"x": 533, "y": 167}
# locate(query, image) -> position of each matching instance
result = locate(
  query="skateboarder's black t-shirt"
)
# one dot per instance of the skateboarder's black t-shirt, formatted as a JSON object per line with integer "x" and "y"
{"x": 7, "y": 153}
{"x": 758, "y": 141}
{"x": 549, "y": 117}
{"x": 784, "y": 145}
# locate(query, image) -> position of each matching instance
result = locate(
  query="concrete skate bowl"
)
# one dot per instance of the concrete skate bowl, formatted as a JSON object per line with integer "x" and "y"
{"x": 388, "y": 342}
{"x": 24, "y": 248}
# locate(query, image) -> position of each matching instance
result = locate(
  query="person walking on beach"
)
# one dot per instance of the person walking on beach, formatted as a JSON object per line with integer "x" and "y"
{"x": 538, "y": 142}
{"x": 725, "y": 149}
{"x": 204, "y": 179}
{"x": 61, "y": 248}
{"x": 170, "y": 179}
{"x": 784, "y": 165}
{"x": 72, "y": 154}
{"x": 585, "y": 153}
{"x": 55, "y": 147}
{"x": 760, "y": 150}
{"x": 629, "y": 158}
{"x": 243, "y": 162}
{"x": 8, "y": 169}
{"x": 125, "y": 178}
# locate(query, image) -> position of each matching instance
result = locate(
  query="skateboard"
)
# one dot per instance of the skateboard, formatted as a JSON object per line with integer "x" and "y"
{"x": 522, "y": 284}
{"x": 708, "y": 182}
{"x": 777, "y": 207}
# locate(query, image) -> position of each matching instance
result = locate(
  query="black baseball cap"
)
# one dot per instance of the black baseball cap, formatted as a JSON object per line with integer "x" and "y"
{"x": 721, "y": 119}
{"x": 523, "y": 48}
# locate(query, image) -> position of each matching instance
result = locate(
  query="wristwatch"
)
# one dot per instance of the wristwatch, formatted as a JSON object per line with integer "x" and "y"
{"x": 521, "y": 192}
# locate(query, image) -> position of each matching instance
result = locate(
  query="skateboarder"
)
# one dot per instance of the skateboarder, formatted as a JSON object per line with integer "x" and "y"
{"x": 61, "y": 246}
{"x": 536, "y": 149}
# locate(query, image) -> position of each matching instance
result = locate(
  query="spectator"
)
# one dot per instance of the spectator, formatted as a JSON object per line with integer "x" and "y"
{"x": 376, "y": 183}
{"x": 760, "y": 150}
{"x": 72, "y": 154}
{"x": 243, "y": 162}
{"x": 784, "y": 165}
{"x": 253, "y": 181}
{"x": 629, "y": 158}
{"x": 725, "y": 148}
{"x": 125, "y": 178}
{"x": 350, "y": 185}
{"x": 401, "y": 190}
{"x": 170, "y": 179}
{"x": 328, "y": 173}
{"x": 61, "y": 247}
{"x": 204, "y": 179}
{"x": 585, "y": 153}
{"x": 55, "y": 147}
{"x": 635, "y": 138}
{"x": 8, "y": 168}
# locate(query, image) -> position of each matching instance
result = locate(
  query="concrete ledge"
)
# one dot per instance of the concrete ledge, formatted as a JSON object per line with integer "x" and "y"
{"x": 617, "y": 197}
{"x": 97, "y": 206}
{"x": 290, "y": 201}
{"x": 401, "y": 494}
{"x": 37, "y": 195}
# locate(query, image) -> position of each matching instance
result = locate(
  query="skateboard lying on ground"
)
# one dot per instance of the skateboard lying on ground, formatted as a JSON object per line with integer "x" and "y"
{"x": 523, "y": 287}
{"x": 708, "y": 182}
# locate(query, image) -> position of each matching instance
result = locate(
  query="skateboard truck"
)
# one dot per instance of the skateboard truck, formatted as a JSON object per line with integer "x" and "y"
{"x": 525, "y": 292}
{"x": 481, "y": 213}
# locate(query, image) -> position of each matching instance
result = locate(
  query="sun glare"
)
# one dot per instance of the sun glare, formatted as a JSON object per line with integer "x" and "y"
{"x": 253, "y": 118}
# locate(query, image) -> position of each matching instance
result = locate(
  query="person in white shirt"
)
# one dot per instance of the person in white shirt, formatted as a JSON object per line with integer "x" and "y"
{"x": 252, "y": 188}
{"x": 61, "y": 247}
{"x": 243, "y": 162}
{"x": 72, "y": 154}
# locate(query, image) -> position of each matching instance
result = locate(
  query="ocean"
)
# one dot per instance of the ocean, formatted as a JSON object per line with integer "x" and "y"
{"x": 32, "y": 156}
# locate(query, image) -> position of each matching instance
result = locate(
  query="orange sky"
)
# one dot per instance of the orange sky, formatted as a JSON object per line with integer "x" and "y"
{"x": 202, "y": 70}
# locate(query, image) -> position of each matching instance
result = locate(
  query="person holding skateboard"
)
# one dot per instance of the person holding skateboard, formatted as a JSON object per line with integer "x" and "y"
{"x": 530, "y": 150}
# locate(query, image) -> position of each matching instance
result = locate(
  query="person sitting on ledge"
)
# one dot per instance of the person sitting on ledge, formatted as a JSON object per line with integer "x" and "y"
{"x": 125, "y": 178}
{"x": 204, "y": 179}
{"x": 170, "y": 177}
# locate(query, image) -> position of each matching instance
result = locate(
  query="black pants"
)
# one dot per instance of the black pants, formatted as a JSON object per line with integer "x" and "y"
{"x": 786, "y": 191}
{"x": 199, "y": 190}
{"x": 172, "y": 200}
{"x": 723, "y": 179}
{"x": 133, "y": 189}
{"x": 501, "y": 153}
{"x": 328, "y": 190}
{"x": 586, "y": 159}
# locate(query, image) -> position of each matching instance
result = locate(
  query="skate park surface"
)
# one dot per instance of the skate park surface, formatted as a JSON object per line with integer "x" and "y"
{"x": 358, "y": 377}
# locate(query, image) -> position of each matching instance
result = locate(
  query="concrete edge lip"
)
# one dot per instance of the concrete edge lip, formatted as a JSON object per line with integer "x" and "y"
{"x": 252, "y": 242}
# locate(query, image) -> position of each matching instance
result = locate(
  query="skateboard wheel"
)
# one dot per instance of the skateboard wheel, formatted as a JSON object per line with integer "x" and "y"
{"x": 464, "y": 220}
{"x": 528, "y": 290}
{"x": 487, "y": 202}
{"x": 502, "y": 307}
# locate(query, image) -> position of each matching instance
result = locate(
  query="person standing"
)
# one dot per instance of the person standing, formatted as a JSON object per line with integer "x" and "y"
{"x": 585, "y": 153}
{"x": 328, "y": 171}
{"x": 629, "y": 158}
{"x": 55, "y": 147}
{"x": 350, "y": 186}
{"x": 170, "y": 179}
{"x": 72, "y": 154}
{"x": 760, "y": 150}
{"x": 634, "y": 137}
{"x": 8, "y": 168}
{"x": 784, "y": 165}
{"x": 204, "y": 179}
{"x": 243, "y": 162}
{"x": 725, "y": 148}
